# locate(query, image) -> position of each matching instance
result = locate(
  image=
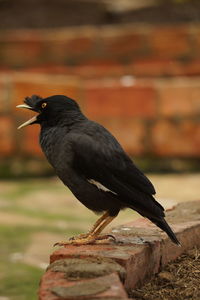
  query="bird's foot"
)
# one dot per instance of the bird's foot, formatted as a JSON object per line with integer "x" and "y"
{"x": 80, "y": 236}
{"x": 86, "y": 239}
{"x": 104, "y": 239}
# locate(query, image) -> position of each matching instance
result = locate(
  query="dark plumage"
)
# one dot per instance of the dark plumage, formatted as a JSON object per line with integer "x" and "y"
{"x": 91, "y": 162}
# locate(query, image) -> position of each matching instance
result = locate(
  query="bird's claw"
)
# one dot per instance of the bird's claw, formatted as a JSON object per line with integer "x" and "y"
{"x": 106, "y": 237}
{"x": 58, "y": 244}
{"x": 80, "y": 236}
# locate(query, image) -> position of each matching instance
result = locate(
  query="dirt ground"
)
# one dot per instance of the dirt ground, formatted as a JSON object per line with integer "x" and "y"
{"x": 179, "y": 280}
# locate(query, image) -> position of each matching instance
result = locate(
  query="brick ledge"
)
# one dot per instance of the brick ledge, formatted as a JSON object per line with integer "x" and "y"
{"x": 139, "y": 258}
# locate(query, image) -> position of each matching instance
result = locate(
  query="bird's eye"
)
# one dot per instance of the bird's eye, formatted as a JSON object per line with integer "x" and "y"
{"x": 44, "y": 105}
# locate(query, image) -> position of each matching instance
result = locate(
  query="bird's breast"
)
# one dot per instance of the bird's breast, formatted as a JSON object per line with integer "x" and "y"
{"x": 56, "y": 147}
{"x": 50, "y": 141}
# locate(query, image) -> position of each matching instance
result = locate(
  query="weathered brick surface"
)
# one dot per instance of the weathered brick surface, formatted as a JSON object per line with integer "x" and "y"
{"x": 98, "y": 68}
{"x": 195, "y": 33}
{"x": 25, "y": 84}
{"x": 124, "y": 44}
{"x": 148, "y": 116}
{"x": 120, "y": 101}
{"x": 170, "y": 42}
{"x": 188, "y": 234}
{"x": 101, "y": 69}
{"x": 154, "y": 67}
{"x": 14, "y": 53}
{"x": 180, "y": 100}
{"x": 139, "y": 261}
{"x": 176, "y": 137}
{"x": 55, "y": 286}
{"x": 141, "y": 248}
{"x": 7, "y": 144}
{"x": 78, "y": 46}
{"x": 132, "y": 247}
{"x": 3, "y": 95}
{"x": 30, "y": 143}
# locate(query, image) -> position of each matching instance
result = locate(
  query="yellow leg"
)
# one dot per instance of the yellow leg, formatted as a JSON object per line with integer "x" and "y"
{"x": 99, "y": 222}
{"x": 98, "y": 229}
{"x": 93, "y": 234}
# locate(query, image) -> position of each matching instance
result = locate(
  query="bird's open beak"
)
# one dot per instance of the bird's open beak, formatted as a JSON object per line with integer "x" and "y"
{"x": 29, "y": 122}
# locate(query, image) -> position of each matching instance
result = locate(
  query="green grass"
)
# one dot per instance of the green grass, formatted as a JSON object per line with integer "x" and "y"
{"x": 21, "y": 282}
{"x": 17, "y": 280}
{"x": 18, "y": 210}
{"x": 13, "y": 237}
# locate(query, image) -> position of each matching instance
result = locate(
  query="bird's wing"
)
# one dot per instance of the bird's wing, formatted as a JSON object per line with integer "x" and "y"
{"x": 102, "y": 159}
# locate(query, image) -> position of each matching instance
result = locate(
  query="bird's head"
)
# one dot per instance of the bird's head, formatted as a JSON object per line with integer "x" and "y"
{"x": 51, "y": 110}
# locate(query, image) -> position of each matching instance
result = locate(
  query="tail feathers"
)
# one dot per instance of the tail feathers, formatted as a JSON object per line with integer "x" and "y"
{"x": 162, "y": 224}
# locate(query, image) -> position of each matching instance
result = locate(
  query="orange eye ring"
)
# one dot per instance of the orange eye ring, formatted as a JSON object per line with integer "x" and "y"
{"x": 44, "y": 105}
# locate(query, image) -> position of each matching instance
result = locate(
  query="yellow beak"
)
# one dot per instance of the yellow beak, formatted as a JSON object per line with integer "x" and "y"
{"x": 29, "y": 121}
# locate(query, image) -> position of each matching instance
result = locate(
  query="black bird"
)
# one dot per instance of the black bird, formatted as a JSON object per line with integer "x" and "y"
{"x": 91, "y": 162}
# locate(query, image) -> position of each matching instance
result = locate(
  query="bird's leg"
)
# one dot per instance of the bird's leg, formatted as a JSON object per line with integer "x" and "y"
{"x": 93, "y": 229}
{"x": 103, "y": 238}
{"x": 96, "y": 230}
{"x": 93, "y": 234}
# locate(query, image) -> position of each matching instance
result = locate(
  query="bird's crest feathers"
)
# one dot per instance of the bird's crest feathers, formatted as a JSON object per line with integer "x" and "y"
{"x": 33, "y": 100}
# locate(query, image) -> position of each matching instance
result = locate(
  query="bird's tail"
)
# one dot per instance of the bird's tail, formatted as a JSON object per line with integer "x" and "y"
{"x": 162, "y": 224}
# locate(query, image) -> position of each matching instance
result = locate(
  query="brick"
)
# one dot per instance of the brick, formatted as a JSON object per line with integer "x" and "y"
{"x": 3, "y": 93}
{"x": 120, "y": 101}
{"x": 99, "y": 68}
{"x": 30, "y": 143}
{"x": 106, "y": 67}
{"x": 67, "y": 50}
{"x": 129, "y": 132}
{"x": 141, "y": 247}
{"x": 53, "y": 52}
{"x": 123, "y": 44}
{"x": 191, "y": 68}
{"x": 170, "y": 252}
{"x": 155, "y": 67}
{"x": 73, "y": 45}
{"x": 169, "y": 42}
{"x": 185, "y": 222}
{"x": 89, "y": 267}
{"x": 196, "y": 38}
{"x": 88, "y": 69}
{"x": 101, "y": 62}
{"x": 7, "y": 145}
{"x": 56, "y": 52}
{"x": 26, "y": 84}
{"x": 180, "y": 100}
{"x": 130, "y": 254}
{"x": 55, "y": 286}
{"x": 47, "y": 68}
{"x": 80, "y": 45}
{"x": 176, "y": 138}
{"x": 14, "y": 53}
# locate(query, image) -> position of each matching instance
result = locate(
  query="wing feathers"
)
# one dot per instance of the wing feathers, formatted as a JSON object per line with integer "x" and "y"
{"x": 104, "y": 161}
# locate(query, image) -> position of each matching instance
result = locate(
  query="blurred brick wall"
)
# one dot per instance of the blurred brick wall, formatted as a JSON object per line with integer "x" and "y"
{"x": 142, "y": 83}
{"x": 109, "y": 50}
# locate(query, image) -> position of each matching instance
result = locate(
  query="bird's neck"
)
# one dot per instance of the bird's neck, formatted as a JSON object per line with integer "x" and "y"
{"x": 65, "y": 119}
